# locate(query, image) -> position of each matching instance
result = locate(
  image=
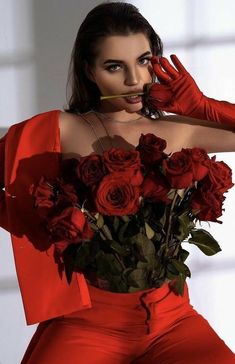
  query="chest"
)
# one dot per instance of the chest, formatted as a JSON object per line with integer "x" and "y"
{"x": 80, "y": 138}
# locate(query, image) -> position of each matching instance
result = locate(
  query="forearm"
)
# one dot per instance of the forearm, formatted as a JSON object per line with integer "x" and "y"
{"x": 214, "y": 110}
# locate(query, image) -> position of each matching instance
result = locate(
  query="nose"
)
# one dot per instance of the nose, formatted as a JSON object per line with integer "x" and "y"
{"x": 132, "y": 77}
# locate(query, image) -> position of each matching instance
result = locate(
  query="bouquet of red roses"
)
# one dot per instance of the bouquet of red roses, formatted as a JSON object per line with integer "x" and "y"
{"x": 121, "y": 217}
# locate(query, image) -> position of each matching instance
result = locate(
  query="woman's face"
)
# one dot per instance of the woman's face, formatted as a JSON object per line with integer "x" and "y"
{"x": 122, "y": 66}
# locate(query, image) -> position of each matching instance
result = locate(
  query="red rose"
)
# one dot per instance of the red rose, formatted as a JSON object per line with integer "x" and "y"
{"x": 60, "y": 246}
{"x": 116, "y": 195}
{"x": 117, "y": 159}
{"x": 90, "y": 169}
{"x": 179, "y": 170}
{"x": 210, "y": 204}
{"x": 156, "y": 187}
{"x": 70, "y": 226}
{"x": 220, "y": 175}
{"x": 151, "y": 149}
{"x": 67, "y": 192}
{"x": 198, "y": 157}
{"x": 43, "y": 196}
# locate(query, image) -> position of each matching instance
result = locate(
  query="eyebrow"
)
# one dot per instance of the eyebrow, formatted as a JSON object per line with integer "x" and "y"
{"x": 119, "y": 61}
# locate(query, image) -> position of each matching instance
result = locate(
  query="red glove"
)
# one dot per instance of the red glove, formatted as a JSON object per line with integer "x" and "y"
{"x": 178, "y": 93}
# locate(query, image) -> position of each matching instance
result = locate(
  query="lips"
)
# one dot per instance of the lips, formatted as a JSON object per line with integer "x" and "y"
{"x": 133, "y": 99}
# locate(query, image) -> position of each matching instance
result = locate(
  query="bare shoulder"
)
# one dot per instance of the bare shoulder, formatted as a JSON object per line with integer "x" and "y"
{"x": 66, "y": 119}
{"x": 193, "y": 123}
{"x": 69, "y": 123}
{"x": 69, "y": 126}
{"x": 209, "y": 135}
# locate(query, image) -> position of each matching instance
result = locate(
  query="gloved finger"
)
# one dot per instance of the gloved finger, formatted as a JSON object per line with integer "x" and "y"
{"x": 160, "y": 93}
{"x": 164, "y": 106}
{"x": 161, "y": 75}
{"x": 168, "y": 107}
{"x": 178, "y": 64}
{"x": 172, "y": 72}
{"x": 154, "y": 59}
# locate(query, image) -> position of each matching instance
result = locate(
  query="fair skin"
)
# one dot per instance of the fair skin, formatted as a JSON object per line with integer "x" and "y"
{"x": 130, "y": 74}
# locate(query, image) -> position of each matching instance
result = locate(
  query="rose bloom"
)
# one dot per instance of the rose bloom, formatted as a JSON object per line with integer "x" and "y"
{"x": 43, "y": 196}
{"x": 209, "y": 202}
{"x": 117, "y": 159}
{"x": 220, "y": 175}
{"x": 91, "y": 169}
{"x": 70, "y": 227}
{"x": 155, "y": 187}
{"x": 179, "y": 170}
{"x": 199, "y": 157}
{"x": 151, "y": 149}
{"x": 116, "y": 195}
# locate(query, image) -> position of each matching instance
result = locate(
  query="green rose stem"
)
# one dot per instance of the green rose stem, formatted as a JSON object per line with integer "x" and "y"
{"x": 170, "y": 219}
{"x": 103, "y": 232}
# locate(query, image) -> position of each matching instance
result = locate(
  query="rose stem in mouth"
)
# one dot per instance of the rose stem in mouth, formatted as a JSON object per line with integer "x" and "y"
{"x": 124, "y": 95}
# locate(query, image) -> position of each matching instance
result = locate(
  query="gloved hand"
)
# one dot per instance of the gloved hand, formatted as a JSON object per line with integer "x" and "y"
{"x": 178, "y": 93}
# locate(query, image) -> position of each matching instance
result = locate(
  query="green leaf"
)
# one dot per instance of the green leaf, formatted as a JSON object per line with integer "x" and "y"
{"x": 171, "y": 193}
{"x": 82, "y": 257}
{"x": 170, "y": 275}
{"x": 138, "y": 278}
{"x": 204, "y": 241}
{"x": 132, "y": 228}
{"x": 125, "y": 218}
{"x": 185, "y": 225}
{"x": 181, "y": 192}
{"x": 146, "y": 248}
{"x": 107, "y": 232}
{"x": 183, "y": 254}
{"x": 179, "y": 285}
{"x": 100, "y": 221}
{"x": 108, "y": 264}
{"x": 142, "y": 265}
{"x": 126, "y": 272}
{"x": 146, "y": 210}
{"x": 181, "y": 267}
{"x": 118, "y": 248}
{"x": 133, "y": 289}
{"x": 117, "y": 284}
{"x": 122, "y": 231}
{"x": 172, "y": 270}
{"x": 149, "y": 231}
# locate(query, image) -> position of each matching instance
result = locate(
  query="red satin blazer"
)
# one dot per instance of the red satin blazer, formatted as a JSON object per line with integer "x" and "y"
{"x": 29, "y": 149}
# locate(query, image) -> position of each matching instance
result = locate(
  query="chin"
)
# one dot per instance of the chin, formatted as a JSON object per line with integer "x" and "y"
{"x": 134, "y": 107}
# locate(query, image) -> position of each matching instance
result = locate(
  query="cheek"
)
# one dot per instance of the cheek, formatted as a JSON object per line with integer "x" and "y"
{"x": 148, "y": 73}
{"x": 110, "y": 83}
{"x": 151, "y": 71}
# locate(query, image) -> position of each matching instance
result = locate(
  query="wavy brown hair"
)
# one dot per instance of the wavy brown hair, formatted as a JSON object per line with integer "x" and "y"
{"x": 106, "y": 19}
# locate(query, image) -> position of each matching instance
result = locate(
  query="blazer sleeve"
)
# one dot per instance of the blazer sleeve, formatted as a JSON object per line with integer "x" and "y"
{"x": 3, "y": 211}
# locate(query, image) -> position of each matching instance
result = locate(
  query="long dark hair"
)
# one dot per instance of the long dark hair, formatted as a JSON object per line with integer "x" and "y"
{"x": 106, "y": 19}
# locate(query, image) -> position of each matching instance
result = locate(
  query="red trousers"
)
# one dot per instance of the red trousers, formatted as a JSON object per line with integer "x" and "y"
{"x": 154, "y": 326}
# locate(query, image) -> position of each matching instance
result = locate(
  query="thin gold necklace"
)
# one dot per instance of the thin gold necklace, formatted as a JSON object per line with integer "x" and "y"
{"x": 99, "y": 117}
{"x": 97, "y": 136}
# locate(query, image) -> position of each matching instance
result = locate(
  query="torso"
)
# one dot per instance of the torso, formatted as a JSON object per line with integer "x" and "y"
{"x": 78, "y": 138}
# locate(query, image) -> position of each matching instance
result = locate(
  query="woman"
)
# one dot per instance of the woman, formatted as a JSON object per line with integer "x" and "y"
{"x": 84, "y": 322}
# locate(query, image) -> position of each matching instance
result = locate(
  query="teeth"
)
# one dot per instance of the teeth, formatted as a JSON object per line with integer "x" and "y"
{"x": 133, "y": 97}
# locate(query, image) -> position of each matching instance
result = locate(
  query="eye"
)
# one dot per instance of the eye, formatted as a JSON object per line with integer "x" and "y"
{"x": 145, "y": 59}
{"x": 110, "y": 68}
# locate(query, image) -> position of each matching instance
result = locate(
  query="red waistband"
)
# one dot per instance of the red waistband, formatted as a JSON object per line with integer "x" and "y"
{"x": 129, "y": 299}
